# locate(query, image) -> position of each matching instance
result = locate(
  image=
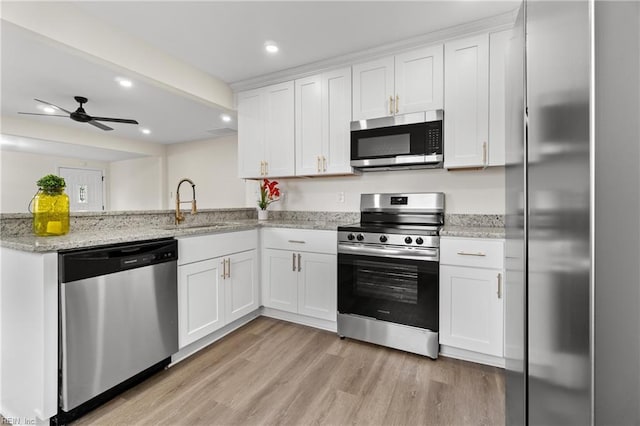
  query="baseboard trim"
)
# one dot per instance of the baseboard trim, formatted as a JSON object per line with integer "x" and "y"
{"x": 478, "y": 358}
{"x": 300, "y": 319}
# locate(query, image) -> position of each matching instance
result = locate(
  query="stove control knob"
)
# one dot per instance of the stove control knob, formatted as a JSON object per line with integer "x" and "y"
{"x": 350, "y": 237}
{"x": 408, "y": 240}
{"x": 360, "y": 237}
{"x": 383, "y": 238}
{"x": 419, "y": 241}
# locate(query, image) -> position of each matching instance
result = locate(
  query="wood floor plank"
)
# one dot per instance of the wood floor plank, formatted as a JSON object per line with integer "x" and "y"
{"x": 271, "y": 372}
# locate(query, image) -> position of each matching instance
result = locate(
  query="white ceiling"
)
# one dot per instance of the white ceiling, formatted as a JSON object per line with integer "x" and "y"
{"x": 224, "y": 39}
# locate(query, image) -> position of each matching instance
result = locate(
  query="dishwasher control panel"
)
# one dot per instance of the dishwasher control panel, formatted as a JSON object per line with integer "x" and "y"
{"x": 75, "y": 265}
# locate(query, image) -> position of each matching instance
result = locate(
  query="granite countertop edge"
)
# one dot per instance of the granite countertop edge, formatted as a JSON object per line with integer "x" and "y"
{"x": 473, "y": 232}
{"x": 86, "y": 239}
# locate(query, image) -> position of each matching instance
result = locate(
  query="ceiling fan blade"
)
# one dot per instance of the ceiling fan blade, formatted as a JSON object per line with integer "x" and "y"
{"x": 48, "y": 115}
{"x": 115, "y": 120}
{"x": 99, "y": 125}
{"x": 55, "y": 106}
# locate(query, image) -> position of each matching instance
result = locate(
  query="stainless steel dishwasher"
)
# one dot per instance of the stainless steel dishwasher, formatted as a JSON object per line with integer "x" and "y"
{"x": 118, "y": 320}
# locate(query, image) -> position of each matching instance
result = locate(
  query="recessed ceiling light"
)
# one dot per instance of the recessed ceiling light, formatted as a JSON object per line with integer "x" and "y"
{"x": 271, "y": 46}
{"x": 226, "y": 118}
{"x": 145, "y": 131}
{"x": 124, "y": 82}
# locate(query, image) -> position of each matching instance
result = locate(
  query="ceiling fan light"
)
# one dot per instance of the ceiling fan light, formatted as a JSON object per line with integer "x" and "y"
{"x": 225, "y": 117}
{"x": 48, "y": 109}
{"x": 145, "y": 131}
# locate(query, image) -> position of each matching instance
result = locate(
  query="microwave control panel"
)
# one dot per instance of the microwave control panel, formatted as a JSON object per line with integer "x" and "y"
{"x": 434, "y": 137}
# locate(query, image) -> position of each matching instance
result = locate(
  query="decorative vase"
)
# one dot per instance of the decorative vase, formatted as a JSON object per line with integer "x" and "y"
{"x": 263, "y": 215}
{"x": 50, "y": 212}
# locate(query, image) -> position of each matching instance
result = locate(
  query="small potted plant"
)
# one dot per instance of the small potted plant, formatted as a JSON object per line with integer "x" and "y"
{"x": 269, "y": 193}
{"x": 50, "y": 207}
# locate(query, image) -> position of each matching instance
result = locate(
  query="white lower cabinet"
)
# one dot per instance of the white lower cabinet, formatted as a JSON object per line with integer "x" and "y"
{"x": 217, "y": 282}
{"x": 299, "y": 270}
{"x": 471, "y": 309}
{"x": 201, "y": 311}
{"x": 472, "y": 299}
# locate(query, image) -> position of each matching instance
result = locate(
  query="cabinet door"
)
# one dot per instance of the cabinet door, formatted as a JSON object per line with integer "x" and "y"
{"x": 250, "y": 134}
{"x": 280, "y": 277}
{"x": 279, "y": 138}
{"x": 309, "y": 126}
{"x": 471, "y": 309}
{"x": 241, "y": 285}
{"x": 336, "y": 121}
{"x": 419, "y": 80}
{"x": 466, "y": 118}
{"x": 373, "y": 89}
{"x": 317, "y": 285}
{"x": 200, "y": 298}
{"x": 498, "y": 43}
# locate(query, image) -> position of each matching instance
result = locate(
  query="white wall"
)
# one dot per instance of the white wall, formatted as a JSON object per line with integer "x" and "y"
{"x": 213, "y": 167}
{"x": 138, "y": 184}
{"x": 19, "y": 172}
{"x": 467, "y": 191}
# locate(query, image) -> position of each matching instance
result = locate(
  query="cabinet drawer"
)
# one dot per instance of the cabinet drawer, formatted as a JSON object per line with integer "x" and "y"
{"x": 300, "y": 240}
{"x": 475, "y": 252}
{"x": 202, "y": 247}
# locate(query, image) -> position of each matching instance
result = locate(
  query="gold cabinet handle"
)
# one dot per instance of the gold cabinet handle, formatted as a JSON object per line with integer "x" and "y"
{"x": 299, "y": 262}
{"x": 397, "y": 104}
{"x": 499, "y": 292}
{"x": 484, "y": 154}
{"x": 224, "y": 269}
{"x": 318, "y": 163}
{"x": 262, "y": 168}
{"x": 266, "y": 168}
{"x": 466, "y": 253}
{"x": 293, "y": 265}
{"x": 390, "y": 105}
{"x": 229, "y": 268}
{"x": 324, "y": 163}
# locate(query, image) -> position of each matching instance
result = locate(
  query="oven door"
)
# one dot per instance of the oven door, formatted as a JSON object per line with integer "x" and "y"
{"x": 395, "y": 285}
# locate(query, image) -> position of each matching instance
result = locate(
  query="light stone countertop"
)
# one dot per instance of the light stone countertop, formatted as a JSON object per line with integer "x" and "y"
{"x": 84, "y": 239}
{"x": 473, "y": 231}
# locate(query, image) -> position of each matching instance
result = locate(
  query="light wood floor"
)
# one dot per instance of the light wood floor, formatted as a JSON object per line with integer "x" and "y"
{"x": 274, "y": 372}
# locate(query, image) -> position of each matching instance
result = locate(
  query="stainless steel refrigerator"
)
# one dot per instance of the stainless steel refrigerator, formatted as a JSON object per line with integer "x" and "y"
{"x": 572, "y": 333}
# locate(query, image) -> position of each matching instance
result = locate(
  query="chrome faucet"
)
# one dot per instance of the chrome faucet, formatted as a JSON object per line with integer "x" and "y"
{"x": 179, "y": 215}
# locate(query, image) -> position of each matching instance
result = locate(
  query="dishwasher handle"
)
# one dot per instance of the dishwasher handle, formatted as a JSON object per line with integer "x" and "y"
{"x": 87, "y": 263}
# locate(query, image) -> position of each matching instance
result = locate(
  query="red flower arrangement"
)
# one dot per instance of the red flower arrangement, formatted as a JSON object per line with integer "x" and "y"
{"x": 269, "y": 192}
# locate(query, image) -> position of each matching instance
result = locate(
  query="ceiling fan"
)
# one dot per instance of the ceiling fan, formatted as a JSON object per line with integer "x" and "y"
{"x": 81, "y": 116}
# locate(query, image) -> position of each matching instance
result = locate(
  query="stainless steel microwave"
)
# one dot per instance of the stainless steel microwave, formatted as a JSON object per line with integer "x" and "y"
{"x": 407, "y": 141}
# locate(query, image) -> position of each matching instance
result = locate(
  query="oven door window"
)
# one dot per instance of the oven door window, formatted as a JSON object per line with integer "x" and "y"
{"x": 409, "y": 139}
{"x": 396, "y": 290}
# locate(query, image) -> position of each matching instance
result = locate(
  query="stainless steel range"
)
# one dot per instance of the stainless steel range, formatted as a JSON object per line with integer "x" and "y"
{"x": 388, "y": 272}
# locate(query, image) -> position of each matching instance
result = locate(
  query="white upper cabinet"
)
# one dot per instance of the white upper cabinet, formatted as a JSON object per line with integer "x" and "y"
{"x": 323, "y": 116}
{"x": 279, "y": 130}
{"x": 419, "y": 80}
{"x": 373, "y": 89}
{"x": 498, "y": 44}
{"x": 266, "y": 132}
{"x": 408, "y": 82}
{"x": 250, "y": 134}
{"x": 466, "y": 105}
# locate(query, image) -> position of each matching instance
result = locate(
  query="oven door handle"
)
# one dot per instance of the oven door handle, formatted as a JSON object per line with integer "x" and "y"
{"x": 413, "y": 254}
